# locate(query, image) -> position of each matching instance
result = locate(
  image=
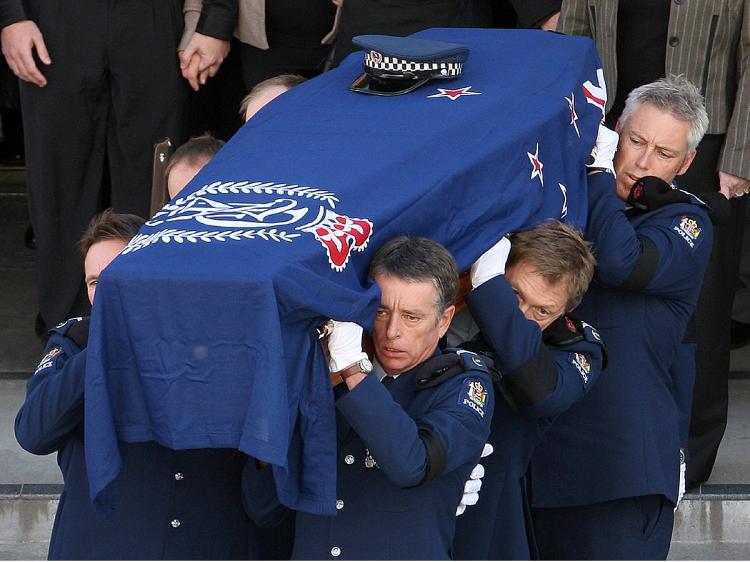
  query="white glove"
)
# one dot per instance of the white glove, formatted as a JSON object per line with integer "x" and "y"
{"x": 474, "y": 483}
{"x": 603, "y": 153}
{"x": 345, "y": 345}
{"x": 491, "y": 263}
{"x": 681, "y": 489}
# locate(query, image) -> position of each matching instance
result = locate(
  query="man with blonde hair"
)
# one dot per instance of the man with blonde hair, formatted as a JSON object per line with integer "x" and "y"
{"x": 548, "y": 361}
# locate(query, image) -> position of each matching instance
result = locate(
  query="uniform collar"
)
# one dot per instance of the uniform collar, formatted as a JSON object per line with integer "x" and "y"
{"x": 377, "y": 368}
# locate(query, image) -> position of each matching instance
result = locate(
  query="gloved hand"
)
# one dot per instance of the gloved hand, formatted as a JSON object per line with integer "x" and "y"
{"x": 681, "y": 489}
{"x": 603, "y": 153}
{"x": 491, "y": 263}
{"x": 650, "y": 193}
{"x": 345, "y": 345}
{"x": 474, "y": 483}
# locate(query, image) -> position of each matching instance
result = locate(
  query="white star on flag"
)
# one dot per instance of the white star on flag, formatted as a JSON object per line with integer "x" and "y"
{"x": 564, "y": 210}
{"x": 573, "y": 115}
{"x": 536, "y": 165}
{"x": 453, "y": 95}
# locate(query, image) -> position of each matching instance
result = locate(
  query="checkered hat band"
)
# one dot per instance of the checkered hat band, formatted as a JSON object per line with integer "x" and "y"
{"x": 393, "y": 64}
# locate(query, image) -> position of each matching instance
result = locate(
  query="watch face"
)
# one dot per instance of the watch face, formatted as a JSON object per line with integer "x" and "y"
{"x": 365, "y": 365}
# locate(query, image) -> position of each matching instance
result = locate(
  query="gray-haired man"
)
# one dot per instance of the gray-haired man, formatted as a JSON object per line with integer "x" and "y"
{"x": 605, "y": 480}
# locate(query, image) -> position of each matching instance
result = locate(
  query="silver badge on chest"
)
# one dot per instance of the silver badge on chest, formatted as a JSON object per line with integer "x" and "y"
{"x": 369, "y": 461}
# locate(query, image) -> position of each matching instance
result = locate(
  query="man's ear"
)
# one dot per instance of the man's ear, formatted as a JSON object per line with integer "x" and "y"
{"x": 445, "y": 319}
{"x": 686, "y": 164}
{"x": 618, "y": 126}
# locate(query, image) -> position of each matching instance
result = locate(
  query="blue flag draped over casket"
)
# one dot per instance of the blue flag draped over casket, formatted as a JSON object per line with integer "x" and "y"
{"x": 203, "y": 330}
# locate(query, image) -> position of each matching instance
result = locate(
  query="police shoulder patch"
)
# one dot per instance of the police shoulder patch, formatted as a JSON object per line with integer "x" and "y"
{"x": 591, "y": 333}
{"x": 582, "y": 365}
{"x": 689, "y": 229}
{"x": 49, "y": 359}
{"x": 473, "y": 395}
{"x": 471, "y": 360}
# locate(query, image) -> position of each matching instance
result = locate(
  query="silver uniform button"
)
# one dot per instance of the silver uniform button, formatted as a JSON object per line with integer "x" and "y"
{"x": 175, "y": 523}
{"x": 339, "y": 504}
{"x": 349, "y": 459}
{"x": 336, "y": 551}
{"x": 179, "y": 476}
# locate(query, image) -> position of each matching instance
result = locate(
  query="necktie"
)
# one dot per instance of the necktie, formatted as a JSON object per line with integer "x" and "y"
{"x": 388, "y": 380}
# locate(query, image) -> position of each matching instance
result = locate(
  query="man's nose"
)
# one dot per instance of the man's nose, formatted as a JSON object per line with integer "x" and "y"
{"x": 393, "y": 330}
{"x": 644, "y": 160}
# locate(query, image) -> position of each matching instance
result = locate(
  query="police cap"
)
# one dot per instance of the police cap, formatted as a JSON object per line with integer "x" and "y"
{"x": 397, "y": 65}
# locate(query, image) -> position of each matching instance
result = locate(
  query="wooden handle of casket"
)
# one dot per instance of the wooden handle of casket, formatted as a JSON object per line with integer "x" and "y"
{"x": 159, "y": 196}
{"x": 464, "y": 288}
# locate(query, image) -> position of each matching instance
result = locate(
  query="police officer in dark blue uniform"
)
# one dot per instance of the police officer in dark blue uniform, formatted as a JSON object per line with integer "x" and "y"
{"x": 548, "y": 361}
{"x": 605, "y": 481}
{"x": 408, "y": 443}
{"x": 171, "y": 504}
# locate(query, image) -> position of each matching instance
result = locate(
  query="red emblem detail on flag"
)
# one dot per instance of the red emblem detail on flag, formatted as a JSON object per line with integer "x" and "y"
{"x": 453, "y": 95}
{"x": 596, "y": 94}
{"x": 340, "y": 236}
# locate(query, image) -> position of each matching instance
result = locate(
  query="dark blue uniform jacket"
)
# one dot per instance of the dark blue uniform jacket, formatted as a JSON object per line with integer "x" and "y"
{"x": 404, "y": 455}
{"x": 543, "y": 375}
{"x": 623, "y": 440}
{"x": 172, "y": 504}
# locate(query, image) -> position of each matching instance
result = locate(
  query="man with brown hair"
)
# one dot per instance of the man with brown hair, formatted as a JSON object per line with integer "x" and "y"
{"x": 266, "y": 91}
{"x": 188, "y": 160}
{"x": 555, "y": 257}
{"x": 107, "y": 235}
{"x": 168, "y": 500}
{"x": 548, "y": 361}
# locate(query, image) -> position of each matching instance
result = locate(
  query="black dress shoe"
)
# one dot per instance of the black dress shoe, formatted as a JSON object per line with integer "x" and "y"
{"x": 739, "y": 335}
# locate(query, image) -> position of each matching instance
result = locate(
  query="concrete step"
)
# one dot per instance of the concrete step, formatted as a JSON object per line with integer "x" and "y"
{"x": 710, "y": 525}
{"x": 27, "y": 512}
{"x": 713, "y": 524}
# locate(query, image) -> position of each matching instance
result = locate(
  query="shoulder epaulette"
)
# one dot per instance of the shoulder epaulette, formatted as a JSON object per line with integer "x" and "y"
{"x": 76, "y": 329}
{"x": 450, "y": 363}
{"x": 63, "y": 327}
{"x": 590, "y": 333}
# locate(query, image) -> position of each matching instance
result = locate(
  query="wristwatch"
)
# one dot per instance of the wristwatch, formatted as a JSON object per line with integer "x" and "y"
{"x": 361, "y": 366}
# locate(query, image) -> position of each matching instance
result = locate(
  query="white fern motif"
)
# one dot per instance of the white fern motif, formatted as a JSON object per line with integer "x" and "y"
{"x": 180, "y": 236}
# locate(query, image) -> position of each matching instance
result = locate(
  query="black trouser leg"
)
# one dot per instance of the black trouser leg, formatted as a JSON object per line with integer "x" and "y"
{"x": 638, "y": 528}
{"x": 65, "y": 145}
{"x": 147, "y": 95}
{"x": 91, "y": 109}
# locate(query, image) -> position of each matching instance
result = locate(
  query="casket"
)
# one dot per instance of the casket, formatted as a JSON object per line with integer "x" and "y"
{"x": 203, "y": 333}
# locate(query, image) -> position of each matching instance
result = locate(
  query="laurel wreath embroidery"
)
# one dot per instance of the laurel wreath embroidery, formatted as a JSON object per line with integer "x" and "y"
{"x": 168, "y": 235}
{"x": 270, "y": 188}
